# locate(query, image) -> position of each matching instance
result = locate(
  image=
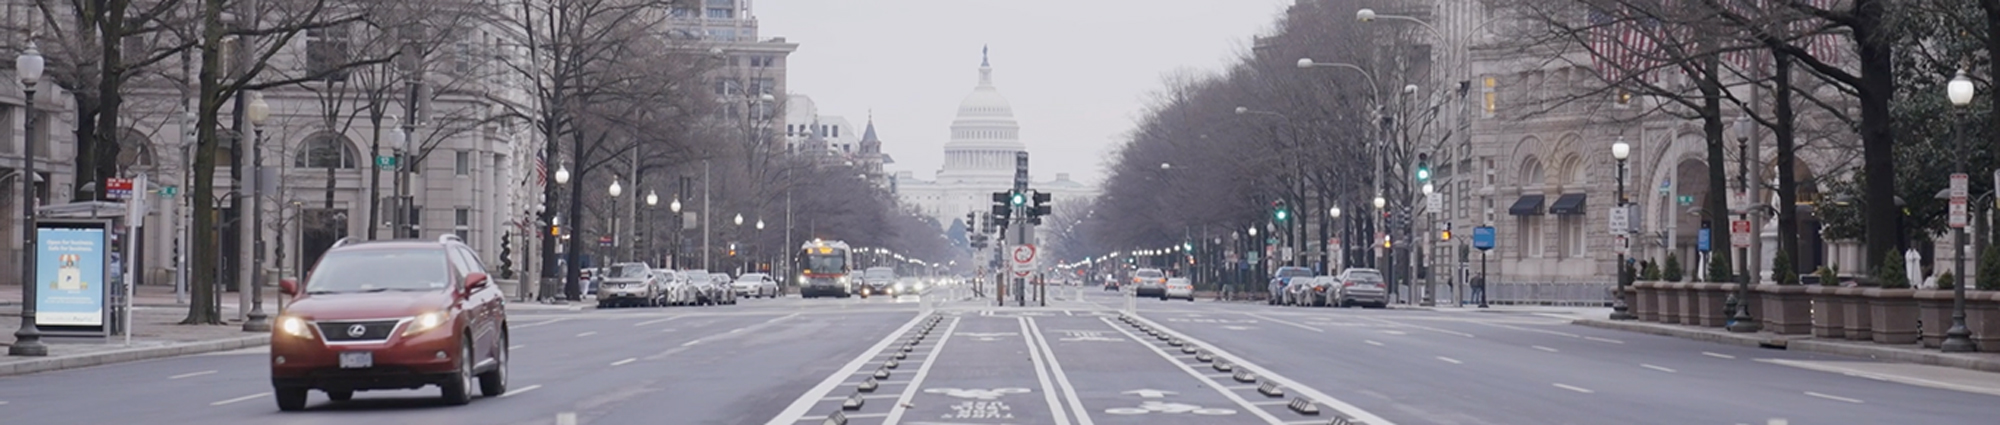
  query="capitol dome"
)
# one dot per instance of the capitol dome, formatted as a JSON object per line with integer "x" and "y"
{"x": 985, "y": 122}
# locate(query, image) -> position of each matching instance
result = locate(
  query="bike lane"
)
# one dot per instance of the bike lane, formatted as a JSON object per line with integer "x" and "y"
{"x": 1114, "y": 376}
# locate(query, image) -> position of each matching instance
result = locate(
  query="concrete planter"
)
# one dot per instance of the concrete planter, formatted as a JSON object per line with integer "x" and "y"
{"x": 1982, "y": 316}
{"x": 1690, "y": 303}
{"x": 1787, "y": 309}
{"x": 1826, "y": 311}
{"x": 1710, "y": 301}
{"x": 1856, "y": 320}
{"x": 1934, "y": 315}
{"x": 1893, "y": 313}
{"x": 1669, "y": 302}
{"x": 1644, "y": 302}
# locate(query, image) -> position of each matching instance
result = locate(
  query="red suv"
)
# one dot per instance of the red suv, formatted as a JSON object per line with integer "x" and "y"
{"x": 391, "y": 315}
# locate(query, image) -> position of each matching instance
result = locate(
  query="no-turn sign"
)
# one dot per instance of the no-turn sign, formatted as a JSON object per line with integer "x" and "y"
{"x": 1024, "y": 258}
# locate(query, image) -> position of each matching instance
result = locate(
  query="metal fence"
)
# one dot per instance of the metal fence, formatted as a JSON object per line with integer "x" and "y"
{"x": 1592, "y": 294}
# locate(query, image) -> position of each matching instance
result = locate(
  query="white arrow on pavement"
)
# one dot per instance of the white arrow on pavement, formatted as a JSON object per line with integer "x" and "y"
{"x": 1150, "y": 393}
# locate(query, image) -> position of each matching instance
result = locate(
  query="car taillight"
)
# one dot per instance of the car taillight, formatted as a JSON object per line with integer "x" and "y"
{"x": 1347, "y": 284}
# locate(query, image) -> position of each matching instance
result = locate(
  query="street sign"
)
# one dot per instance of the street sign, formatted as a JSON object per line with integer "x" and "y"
{"x": 1288, "y": 252}
{"x": 1434, "y": 202}
{"x": 1701, "y": 241}
{"x": 1739, "y": 200}
{"x": 1739, "y": 233}
{"x": 117, "y": 188}
{"x": 1621, "y": 244}
{"x": 385, "y": 162}
{"x": 1621, "y": 220}
{"x": 1957, "y": 215}
{"x": 1958, "y": 189}
{"x": 169, "y": 191}
{"x": 1684, "y": 200}
{"x": 1482, "y": 237}
{"x": 1024, "y": 258}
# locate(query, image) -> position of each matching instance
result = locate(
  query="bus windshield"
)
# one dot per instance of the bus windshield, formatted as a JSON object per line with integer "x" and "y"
{"x": 818, "y": 263}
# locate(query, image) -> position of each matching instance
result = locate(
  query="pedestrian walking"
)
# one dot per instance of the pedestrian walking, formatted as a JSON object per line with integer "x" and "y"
{"x": 1479, "y": 289}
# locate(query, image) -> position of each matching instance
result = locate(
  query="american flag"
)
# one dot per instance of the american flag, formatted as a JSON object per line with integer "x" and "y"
{"x": 541, "y": 168}
{"x": 1802, "y": 30}
{"x": 1622, "y": 46}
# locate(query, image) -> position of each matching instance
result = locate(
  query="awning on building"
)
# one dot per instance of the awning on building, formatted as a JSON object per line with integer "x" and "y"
{"x": 1568, "y": 204}
{"x": 1527, "y": 205}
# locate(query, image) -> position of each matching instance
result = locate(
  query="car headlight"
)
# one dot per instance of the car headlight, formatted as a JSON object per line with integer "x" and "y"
{"x": 424, "y": 322}
{"x": 802, "y": 279}
{"x": 294, "y": 326}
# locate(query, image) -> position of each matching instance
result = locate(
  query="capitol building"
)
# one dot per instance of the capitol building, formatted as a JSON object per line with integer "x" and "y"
{"x": 979, "y": 160}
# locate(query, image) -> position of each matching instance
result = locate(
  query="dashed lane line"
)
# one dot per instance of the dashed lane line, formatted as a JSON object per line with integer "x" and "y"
{"x": 1428, "y": 328}
{"x": 518, "y": 391}
{"x": 541, "y": 323}
{"x": 1717, "y": 355}
{"x": 628, "y": 360}
{"x": 1658, "y": 368}
{"x": 192, "y": 374}
{"x": 660, "y": 320}
{"x": 1833, "y": 397}
{"x": 910, "y": 391}
{"x": 1573, "y": 388}
{"x": 797, "y": 410}
{"x": 1604, "y": 340}
{"x": 1212, "y": 383}
{"x": 1449, "y": 360}
{"x": 1353, "y": 411}
{"x": 243, "y": 398}
{"x": 1283, "y": 322}
{"x": 586, "y": 334}
{"x": 1372, "y": 342}
{"x": 1538, "y": 347}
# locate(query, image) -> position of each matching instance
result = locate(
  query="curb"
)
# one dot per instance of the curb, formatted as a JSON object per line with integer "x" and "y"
{"x": 1806, "y": 344}
{"x": 130, "y": 355}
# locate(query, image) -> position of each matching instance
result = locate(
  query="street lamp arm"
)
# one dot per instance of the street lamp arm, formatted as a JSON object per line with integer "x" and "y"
{"x": 1374, "y": 90}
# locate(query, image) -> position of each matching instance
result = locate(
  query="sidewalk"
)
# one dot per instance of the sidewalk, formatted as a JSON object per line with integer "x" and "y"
{"x": 1911, "y": 353}
{"x": 157, "y": 333}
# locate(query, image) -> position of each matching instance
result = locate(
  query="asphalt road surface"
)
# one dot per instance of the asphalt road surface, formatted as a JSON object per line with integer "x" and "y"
{"x": 1075, "y": 362}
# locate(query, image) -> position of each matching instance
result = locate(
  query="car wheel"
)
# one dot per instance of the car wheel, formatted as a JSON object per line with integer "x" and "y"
{"x": 493, "y": 383}
{"x": 340, "y": 395}
{"x": 291, "y": 399}
{"x": 458, "y": 391}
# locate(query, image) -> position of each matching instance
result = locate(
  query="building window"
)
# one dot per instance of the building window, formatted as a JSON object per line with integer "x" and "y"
{"x": 461, "y": 217}
{"x": 1530, "y": 238}
{"x": 721, "y": 3}
{"x": 763, "y": 86}
{"x": 327, "y": 51}
{"x": 462, "y": 163}
{"x": 462, "y": 58}
{"x": 326, "y": 150}
{"x": 721, "y": 13}
{"x": 1569, "y": 229}
{"x": 1491, "y": 98}
{"x": 836, "y": 131}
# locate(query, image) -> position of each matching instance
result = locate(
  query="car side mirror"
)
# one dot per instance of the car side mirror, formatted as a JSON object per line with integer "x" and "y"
{"x": 289, "y": 287}
{"x": 475, "y": 280}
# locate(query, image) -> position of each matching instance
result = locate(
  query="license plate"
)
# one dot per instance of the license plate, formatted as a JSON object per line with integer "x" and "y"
{"x": 357, "y": 359}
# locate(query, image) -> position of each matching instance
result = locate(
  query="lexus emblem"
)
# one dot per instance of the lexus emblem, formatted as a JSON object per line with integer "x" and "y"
{"x": 356, "y": 331}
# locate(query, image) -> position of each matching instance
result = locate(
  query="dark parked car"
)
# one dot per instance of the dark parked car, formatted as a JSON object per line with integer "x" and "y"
{"x": 1363, "y": 287}
{"x": 391, "y": 315}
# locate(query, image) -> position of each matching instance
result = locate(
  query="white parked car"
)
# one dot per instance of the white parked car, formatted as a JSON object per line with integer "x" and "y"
{"x": 755, "y": 285}
{"x": 674, "y": 289}
{"x": 1178, "y": 287}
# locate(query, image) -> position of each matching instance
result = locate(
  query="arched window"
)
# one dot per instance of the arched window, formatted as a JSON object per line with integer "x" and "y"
{"x": 1531, "y": 172}
{"x": 326, "y": 150}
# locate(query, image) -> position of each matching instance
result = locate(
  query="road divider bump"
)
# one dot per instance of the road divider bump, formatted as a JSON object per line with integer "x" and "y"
{"x": 881, "y": 374}
{"x": 837, "y": 418}
{"x": 1303, "y": 406}
{"x": 900, "y": 356}
{"x": 891, "y": 364}
{"x": 1176, "y": 342}
{"x": 853, "y": 402}
{"x": 1269, "y": 389}
{"x": 1204, "y": 357}
{"x": 868, "y": 386}
{"x": 1342, "y": 420}
{"x": 1224, "y": 367}
{"x": 1244, "y": 376}
{"x": 1189, "y": 349}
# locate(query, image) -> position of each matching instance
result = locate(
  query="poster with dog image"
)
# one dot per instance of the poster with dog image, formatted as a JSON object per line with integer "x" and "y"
{"x": 70, "y": 275}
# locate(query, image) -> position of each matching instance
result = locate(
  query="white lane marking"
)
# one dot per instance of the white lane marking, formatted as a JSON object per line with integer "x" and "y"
{"x": 910, "y": 391}
{"x": 691, "y": 343}
{"x": 738, "y": 330}
{"x": 1604, "y": 340}
{"x": 1428, "y": 328}
{"x": 3, "y": 402}
{"x": 566, "y": 418}
{"x": 1885, "y": 378}
{"x": 1395, "y": 332}
{"x": 1231, "y": 395}
{"x": 805, "y": 402}
{"x": 817, "y": 418}
{"x": 1036, "y": 356}
{"x": 1287, "y": 323}
{"x": 1062, "y": 379}
{"x": 586, "y": 334}
{"x": 1833, "y": 397}
{"x": 1717, "y": 355}
{"x": 1658, "y": 368}
{"x": 649, "y": 322}
{"x": 668, "y": 330}
{"x": 627, "y": 360}
{"x": 530, "y": 325}
{"x": 1573, "y": 388}
{"x": 191, "y": 374}
{"x": 518, "y": 391}
{"x": 1372, "y": 342}
{"x": 1538, "y": 347}
{"x": 1521, "y": 328}
{"x": 1449, "y": 360}
{"x": 243, "y": 398}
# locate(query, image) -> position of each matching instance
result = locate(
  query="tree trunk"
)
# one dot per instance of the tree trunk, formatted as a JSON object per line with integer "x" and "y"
{"x": 1788, "y": 211}
{"x": 1992, "y": 9}
{"x": 1717, "y": 214}
{"x": 103, "y": 149}
{"x": 1881, "y": 217}
{"x": 202, "y": 309}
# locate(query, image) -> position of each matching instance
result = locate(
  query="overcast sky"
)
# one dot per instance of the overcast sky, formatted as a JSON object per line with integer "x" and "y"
{"x": 1077, "y": 71}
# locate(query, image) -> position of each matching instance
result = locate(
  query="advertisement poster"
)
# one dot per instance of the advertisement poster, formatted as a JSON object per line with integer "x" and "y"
{"x": 70, "y": 274}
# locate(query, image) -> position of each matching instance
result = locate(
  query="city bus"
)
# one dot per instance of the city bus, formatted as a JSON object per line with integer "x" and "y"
{"x": 823, "y": 269}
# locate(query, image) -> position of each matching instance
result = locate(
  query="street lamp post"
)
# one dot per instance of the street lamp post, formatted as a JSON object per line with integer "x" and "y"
{"x": 1741, "y": 321}
{"x": 1958, "y": 339}
{"x": 1619, "y": 310}
{"x": 674, "y": 250}
{"x": 616, "y": 243}
{"x": 1344, "y": 240}
{"x": 28, "y": 339}
{"x": 570, "y": 289}
{"x": 258, "y": 112}
{"x": 652, "y": 200}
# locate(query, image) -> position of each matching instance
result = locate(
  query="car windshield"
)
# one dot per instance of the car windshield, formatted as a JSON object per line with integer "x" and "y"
{"x": 1362, "y": 276}
{"x": 1149, "y": 274}
{"x": 1294, "y": 272}
{"x": 377, "y": 270}
{"x": 881, "y": 273}
{"x": 629, "y": 271}
{"x": 695, "y": 277}
{"x": 752, "y": 277}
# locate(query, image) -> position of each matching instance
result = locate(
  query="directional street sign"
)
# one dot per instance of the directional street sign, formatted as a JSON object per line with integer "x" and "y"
{"x": 385, "y": 162}
{"x": 1482, "y": 237}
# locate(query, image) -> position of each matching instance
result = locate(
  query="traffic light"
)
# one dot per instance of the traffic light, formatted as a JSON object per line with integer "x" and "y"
{"x": 1445, "y": 233}
{"x": 1040, "y": 208}
{"x": 1002, "y": 210}
{"x": 1423, "y": 168}
{"x": 1279, "y": 212}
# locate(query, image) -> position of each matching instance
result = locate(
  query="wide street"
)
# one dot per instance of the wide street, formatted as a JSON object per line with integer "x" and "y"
{"x": 791, "y": 360}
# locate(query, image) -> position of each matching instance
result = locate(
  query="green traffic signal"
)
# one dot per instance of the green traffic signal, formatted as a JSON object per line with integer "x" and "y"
{"x": 1282, "y": 214}
{"x": 1423, "y": 174}
{"x": 1020, "y": 199}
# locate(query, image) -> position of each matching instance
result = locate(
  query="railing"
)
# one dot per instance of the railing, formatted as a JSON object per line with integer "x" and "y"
{"x": 1593, "y": 294}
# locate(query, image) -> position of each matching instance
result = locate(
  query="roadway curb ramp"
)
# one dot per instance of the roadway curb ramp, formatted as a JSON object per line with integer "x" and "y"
{"x": 1269, "y": 389}
{"x": 55, "y": 363}
{"x": 853, "y": 402}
